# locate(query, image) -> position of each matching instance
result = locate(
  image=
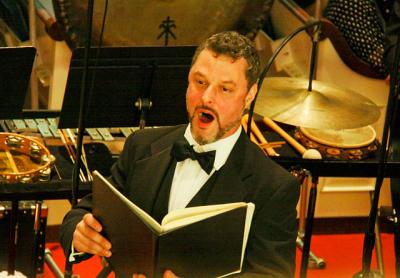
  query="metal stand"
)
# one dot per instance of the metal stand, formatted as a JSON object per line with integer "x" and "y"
{"x": 14, "y": 235}
{"x": 378, "y": 246}
{"x": 52, "y": 264}
{"x": 309, "y": 224}
{"x": 395, "y": 193}
{"x": 13, "y": 238}
{"x": 380, "y": 273}
{"x": 314, "y": 261}
{"x": 389, "y": 128}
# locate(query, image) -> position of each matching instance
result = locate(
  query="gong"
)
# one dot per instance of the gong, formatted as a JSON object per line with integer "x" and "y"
{"x": 159, "y": 22}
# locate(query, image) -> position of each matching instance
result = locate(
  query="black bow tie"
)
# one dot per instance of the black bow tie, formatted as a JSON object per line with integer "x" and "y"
{"x": 181, "y": 150}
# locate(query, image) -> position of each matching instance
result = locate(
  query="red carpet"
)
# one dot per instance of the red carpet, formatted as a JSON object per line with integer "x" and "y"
{"x": 342, "y": 254}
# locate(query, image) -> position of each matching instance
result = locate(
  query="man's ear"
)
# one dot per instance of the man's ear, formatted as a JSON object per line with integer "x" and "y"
{"x": 251, "y": 95}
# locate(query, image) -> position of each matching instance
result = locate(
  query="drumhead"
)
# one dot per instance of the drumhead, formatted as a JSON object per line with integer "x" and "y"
{"x": 159, "y": 22}
{"x": 342, "y": 138}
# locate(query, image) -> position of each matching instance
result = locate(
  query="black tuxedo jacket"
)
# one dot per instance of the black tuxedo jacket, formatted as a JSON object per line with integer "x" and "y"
{"x": 248, "y": 175}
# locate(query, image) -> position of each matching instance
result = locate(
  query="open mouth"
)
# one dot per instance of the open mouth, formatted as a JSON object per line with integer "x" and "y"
{"x": 206, "y": 117}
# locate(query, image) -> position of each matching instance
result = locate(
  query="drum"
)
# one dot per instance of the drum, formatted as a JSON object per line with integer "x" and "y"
{"x": 23, "y": 159}
{"x": 344, "y": 144}
{"x": 159, "y": 22}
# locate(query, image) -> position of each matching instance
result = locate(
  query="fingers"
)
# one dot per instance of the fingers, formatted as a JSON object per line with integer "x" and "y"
{"x": 169, "y": 274}
{"x": 92, "y": 222}
{"x": 87, "y": 237}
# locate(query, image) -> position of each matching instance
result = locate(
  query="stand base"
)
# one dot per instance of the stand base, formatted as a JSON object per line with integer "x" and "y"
{"x": 314, "y": 262}
{"x": 18, "y": 274}
{"x": 372, "y": 274}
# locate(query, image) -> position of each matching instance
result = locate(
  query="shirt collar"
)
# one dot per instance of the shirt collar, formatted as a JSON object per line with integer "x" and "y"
{"x": 223, "y": 147}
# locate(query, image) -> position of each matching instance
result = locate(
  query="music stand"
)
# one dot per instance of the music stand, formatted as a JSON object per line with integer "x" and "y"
{"x": 123, "y": 81}
{"x": 15, "y": 73}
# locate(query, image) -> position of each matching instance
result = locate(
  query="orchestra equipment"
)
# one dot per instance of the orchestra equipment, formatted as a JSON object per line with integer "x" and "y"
{"x": 159, "y": 23}
{"x": 257, "y": 137}
{"x": 326, "y": 106}
{"x": 23, "y": 159}
{"x": 309, "y": 154}
{"x": 343, "y": 144}
{"x": 28, "y": 240}
{"x": 304, "y": 177}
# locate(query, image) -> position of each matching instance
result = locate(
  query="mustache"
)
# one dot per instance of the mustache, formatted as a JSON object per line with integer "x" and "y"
{"x": 207, "y": 108}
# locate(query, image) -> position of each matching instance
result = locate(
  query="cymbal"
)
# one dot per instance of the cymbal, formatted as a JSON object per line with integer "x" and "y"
{"x": 287, "y": 100}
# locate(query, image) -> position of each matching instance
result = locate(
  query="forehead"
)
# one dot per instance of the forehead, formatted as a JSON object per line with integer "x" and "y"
{"x": 208, "y": 62}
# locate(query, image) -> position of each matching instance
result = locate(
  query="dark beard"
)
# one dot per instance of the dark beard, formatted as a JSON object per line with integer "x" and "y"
{"x": 220, "y": 133}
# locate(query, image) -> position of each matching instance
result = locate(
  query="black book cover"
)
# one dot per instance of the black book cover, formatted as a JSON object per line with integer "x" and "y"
{"x": 205, "y": 241}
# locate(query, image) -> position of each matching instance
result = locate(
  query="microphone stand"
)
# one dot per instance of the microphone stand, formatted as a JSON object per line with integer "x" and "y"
{"x": 369, "y": 238}
{"x": 81, "y": 121}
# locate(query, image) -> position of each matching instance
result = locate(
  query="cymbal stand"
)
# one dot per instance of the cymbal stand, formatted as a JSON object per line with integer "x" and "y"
{"x": 369, "y": 237}
{"x": 304, "y": 176}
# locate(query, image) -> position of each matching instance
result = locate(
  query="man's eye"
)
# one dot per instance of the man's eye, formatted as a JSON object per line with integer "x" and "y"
{"x": 227, "y": 90}
{"x": 200, "y": 82}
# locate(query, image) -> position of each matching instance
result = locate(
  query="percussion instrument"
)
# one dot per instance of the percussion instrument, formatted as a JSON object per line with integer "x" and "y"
{"x": 308, "y": 154}
{"x": 257, "y": 137}
{"x": 23, "y": 159}
{"x": 345, "y": 144}
{"x": 159, "y": 22}
{"x": 326, "y": 106}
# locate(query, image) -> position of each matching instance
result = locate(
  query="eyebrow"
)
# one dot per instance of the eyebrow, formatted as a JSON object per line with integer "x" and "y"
{"x": 198, "y": 73}
{"x": 227, "y": 82}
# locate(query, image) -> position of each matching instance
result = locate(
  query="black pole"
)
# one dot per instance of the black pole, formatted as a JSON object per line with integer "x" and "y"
{"x": 81, "y": 121}
{"x": 395, "y": 146}
{"x": 36, "y": 237}
{"x": 313, "y": 60}
{"x": 13, "y": 238}
{"x": 369, "y": 238}
{"x": 395, "y": 193}
{"x": 309, "y": 226}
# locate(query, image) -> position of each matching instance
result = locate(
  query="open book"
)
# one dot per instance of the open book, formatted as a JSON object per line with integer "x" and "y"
{"x": 204, "y": 241}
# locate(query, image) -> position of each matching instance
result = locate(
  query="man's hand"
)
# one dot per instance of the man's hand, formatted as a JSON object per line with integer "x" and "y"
{"x": 87, "y": 237}
{"x": 167, "y": 274}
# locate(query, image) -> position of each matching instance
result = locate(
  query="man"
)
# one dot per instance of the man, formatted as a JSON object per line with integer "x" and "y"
{"x": 222, "y": 83}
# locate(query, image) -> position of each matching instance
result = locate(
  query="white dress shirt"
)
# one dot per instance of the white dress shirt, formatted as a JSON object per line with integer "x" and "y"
{"x": 189, "y": 177}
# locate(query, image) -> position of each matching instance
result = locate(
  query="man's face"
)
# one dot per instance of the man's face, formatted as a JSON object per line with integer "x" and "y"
{"x": 216, "y": 96}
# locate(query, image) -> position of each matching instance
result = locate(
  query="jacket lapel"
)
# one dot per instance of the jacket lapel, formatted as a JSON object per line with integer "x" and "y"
{"x": 228, "y": 185}
{"x": 149, "y": 172}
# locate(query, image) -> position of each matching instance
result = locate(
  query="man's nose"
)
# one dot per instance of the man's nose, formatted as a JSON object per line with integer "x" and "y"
{"x": 209, "y": 94}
